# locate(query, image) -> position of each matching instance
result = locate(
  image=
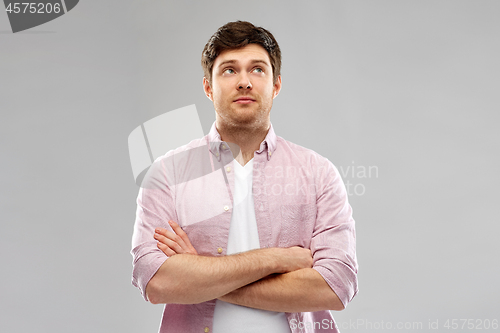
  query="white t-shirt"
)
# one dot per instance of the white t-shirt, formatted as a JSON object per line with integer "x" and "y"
{"x": 244, "y": 236}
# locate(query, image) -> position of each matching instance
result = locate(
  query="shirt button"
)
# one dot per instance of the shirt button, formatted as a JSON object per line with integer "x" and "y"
{"x": 228, "y": 169}
{"x": 206, "y": 329}
{"x": 217, "y": 153}
{"x": 224, "y": 147}
{"x": 219, "y": 250}
{"x": 226, "y": 208}
{"x": 270, "y": 153}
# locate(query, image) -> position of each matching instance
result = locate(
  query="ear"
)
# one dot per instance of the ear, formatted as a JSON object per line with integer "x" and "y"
{"x": 207, "y": 88}
{"x": 277, "y": 87}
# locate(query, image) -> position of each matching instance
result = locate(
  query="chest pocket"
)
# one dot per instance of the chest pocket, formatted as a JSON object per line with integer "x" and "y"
{"x": 297, "y": 224}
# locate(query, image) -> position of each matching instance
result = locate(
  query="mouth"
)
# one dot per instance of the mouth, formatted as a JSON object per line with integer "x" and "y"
{"x": 244, "y": 100}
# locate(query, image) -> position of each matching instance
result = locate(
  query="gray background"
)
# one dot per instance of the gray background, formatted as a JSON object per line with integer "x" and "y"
{"x": 408, "y": 87}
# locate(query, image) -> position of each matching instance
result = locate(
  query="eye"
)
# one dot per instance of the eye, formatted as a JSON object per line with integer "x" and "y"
{"x": 228, "y": 71}
{"x": 258, "y": 70}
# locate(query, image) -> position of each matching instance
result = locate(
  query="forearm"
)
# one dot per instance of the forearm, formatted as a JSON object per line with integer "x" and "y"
{"x": 302, "y": 290}
{"x": 190, "y": 279}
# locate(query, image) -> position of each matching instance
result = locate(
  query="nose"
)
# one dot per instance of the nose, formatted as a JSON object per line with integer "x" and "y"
{"x": 244, "y": 83}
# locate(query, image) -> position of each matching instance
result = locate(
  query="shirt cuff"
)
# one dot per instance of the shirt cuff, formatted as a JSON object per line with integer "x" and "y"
{"x": 343, "y": 282}
{"x": 145, "y": 267}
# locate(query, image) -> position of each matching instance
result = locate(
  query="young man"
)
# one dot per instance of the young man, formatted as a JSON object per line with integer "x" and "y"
{"x": 243, "y": 231}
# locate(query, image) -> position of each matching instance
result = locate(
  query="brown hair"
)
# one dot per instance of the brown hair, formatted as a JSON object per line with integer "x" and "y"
{"x": 234, "y": 35}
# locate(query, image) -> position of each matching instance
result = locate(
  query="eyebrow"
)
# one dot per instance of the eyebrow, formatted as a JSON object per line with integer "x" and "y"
{"x": 253, "y": 61}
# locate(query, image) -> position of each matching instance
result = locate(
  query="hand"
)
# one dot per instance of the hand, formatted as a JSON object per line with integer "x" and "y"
{"x": 295, "y": 257}
{"x": 173, "y": 243}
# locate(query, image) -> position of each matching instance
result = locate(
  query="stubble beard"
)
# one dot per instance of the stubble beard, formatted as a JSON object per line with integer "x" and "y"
{"x": 238, "y": 122}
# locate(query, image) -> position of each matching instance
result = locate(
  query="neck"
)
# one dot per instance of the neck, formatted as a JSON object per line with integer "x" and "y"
{"x": 243, "y": 141}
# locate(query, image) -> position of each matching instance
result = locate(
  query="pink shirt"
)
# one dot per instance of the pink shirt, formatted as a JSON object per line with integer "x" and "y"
{"x": 299, "y": 199}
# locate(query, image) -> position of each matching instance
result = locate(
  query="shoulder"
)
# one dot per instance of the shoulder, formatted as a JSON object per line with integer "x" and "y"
{"x": 322, "y": 170}
{"x": 300, "y": 153}
{"x": 190, "y": 147}
{"x": 171, "y": 167}
{"x": 190, "y": 152}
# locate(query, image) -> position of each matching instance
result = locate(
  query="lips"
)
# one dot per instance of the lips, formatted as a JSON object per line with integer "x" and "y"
{"x": 244, "y": 100}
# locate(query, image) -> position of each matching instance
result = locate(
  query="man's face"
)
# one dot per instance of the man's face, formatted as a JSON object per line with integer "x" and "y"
{"x": 242, "y": 87}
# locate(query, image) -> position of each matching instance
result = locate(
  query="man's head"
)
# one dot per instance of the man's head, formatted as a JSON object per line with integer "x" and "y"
{"x": 234, "y": 35}
{"x": 242, "y": 76}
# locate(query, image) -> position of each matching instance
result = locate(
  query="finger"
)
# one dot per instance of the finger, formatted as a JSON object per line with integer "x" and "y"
{"x": 173, "y": 236}
{"x": 172, "y": 244}
{"x": 179, "y": 236}
{"x": 165, "y": 249}
{"x": 182, "y": 240}
{"x": 162, "y": 231}
{"x": 178, "y": 230}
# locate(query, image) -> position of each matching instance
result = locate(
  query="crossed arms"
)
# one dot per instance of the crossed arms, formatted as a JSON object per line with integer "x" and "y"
{"x": 273, "y": 279}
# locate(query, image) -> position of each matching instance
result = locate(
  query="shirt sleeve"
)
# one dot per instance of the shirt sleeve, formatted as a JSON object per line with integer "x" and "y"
{"x": 155, "y": 206}
{"x": 333, "y": 244}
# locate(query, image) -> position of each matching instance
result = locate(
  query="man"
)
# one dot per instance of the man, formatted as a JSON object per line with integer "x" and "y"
{"x": 243, "y": 231}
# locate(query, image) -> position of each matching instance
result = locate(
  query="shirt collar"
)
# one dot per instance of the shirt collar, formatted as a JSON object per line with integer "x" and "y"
{"x": 215, "y": 142}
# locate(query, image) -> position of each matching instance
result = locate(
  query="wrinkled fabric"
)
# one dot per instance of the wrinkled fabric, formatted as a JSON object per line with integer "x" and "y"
{"x": 299, "y": 199}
